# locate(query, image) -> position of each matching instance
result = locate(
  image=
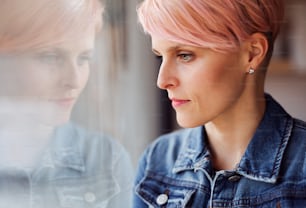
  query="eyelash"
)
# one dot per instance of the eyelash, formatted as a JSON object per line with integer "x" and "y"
{"x": 84, "y": 58}
{"x": 49, "y": 58}
{"x": 185, "y": 57}
{"x": 54, "y": 58}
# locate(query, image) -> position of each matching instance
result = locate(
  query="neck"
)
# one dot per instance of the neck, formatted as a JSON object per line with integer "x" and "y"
{"x": 230, "y": 134}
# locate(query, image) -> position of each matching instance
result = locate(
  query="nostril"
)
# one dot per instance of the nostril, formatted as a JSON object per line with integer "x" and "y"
{"x": 166, "y": 82}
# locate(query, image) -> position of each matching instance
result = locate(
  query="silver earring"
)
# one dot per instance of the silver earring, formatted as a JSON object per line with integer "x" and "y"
{"x": 251, "y": 71}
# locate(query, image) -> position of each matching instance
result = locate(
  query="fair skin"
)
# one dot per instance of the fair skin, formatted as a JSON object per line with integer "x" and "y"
{"x": 213, "y": 89}
{"x": 38, "y": 91}
{"x": 50, "y": 78}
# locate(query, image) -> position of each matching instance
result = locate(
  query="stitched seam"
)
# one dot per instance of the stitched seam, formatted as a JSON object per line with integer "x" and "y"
{"x": 285, "y": 138}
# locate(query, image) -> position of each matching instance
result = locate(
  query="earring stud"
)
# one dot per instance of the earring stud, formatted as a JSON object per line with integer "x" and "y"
{"x": 251, "y": 71}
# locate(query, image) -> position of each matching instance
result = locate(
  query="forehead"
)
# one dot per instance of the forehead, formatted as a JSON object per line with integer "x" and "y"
{"x": 165, "y": 45}
{"x": 83, "y": 41}
{"x": 45, "y": 22}
{"x": 161, "y": 43}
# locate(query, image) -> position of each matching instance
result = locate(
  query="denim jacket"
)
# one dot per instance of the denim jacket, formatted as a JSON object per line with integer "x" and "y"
{"x": 175, "y": 171}
{"x": 78, "y": 170}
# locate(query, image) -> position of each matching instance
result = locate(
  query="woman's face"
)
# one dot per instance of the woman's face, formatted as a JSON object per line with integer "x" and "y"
{"x": 202, "y": 84}
{"x": 44, "y": 84}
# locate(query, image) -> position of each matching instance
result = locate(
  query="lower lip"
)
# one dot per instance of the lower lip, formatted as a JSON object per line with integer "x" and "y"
{"x": 65, "y": 102}
{"x": 178, "y": 103}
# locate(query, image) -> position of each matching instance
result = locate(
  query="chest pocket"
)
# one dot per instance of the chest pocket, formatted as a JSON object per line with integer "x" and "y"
{"x": 92, "y": 192}
{"x": 164, "y": 192}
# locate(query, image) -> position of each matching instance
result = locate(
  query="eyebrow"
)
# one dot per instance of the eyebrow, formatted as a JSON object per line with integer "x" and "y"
{"x": 173, "y": 48}
{"x": 88, "y": 51}
{"x": 63, "y": 50}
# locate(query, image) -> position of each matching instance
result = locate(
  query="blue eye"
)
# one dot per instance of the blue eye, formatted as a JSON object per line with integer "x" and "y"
{"x": 50, "y": 58}
{"x": 185, "y": 57}
{"x": 84, "y": 59}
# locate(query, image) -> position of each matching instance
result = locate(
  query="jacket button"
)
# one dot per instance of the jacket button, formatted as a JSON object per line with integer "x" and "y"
{"x": 234, "y": 178}
{"x": 162, "y": 199}
{"x": 90, "y": 197}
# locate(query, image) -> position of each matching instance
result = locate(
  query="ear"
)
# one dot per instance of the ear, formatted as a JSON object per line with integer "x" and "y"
{"x": 257, "y": 50}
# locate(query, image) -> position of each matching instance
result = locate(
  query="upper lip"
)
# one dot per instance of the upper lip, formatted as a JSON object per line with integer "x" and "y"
{"x": 176, "y": 99}
{"x": 63, "y": 99}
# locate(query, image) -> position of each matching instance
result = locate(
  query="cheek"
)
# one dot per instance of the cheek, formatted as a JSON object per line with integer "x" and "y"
{"x": 84, "y": 77}
{"x": 18, "y": 82}
{"x": 208, "y": 76}
{"x": 43, "y": 79}
{"x": 218, "y": 83}
{"x": 35, "y": 83}
{"x": 224, "y": 72}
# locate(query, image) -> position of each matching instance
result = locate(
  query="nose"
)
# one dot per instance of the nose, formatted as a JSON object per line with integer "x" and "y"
{"x": 73, "y": 76}
{"x": 166, "y": 77}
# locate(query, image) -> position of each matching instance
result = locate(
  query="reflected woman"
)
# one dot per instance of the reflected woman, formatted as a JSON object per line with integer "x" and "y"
{"x": 46, "y": 161}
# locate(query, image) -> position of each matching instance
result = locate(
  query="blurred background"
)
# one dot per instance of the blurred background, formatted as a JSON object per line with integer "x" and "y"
{"x": 122, "y": 98}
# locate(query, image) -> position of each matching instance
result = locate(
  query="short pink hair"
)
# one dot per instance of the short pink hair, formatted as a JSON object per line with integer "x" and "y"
{"x": 30, "y": 24}
{"x": 221, "y": 25}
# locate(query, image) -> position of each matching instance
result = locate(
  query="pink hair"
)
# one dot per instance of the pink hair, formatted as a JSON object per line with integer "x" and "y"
{"x": 29, "y": 24}
{"x": 221, "y": 25}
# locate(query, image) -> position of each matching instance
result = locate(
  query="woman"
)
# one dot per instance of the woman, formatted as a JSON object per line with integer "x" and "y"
{"x": 239, "y": 147}
{"x": 45, "y": 160}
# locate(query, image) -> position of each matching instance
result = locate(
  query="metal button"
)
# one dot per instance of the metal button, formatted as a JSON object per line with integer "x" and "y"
{"x": 162, "y": 199}
{"x": 234, "y": 178}
{"x": 90, "y": 197}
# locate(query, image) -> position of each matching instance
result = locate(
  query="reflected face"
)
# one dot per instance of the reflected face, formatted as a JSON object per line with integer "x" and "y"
{"x": 202, "y": 84}
{"x": 48, "y": 81}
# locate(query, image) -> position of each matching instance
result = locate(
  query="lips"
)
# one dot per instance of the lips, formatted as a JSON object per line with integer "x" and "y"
{"x": 64, "y": 102}
{"x": 178, "y": 102}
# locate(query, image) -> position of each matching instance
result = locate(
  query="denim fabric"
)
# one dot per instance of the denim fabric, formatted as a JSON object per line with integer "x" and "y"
{"x": 79, "y": 170}
{"x": 175, "y": 170}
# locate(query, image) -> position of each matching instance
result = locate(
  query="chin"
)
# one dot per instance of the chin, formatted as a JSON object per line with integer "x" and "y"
{"x": 188, "y": 123}
{"x": 62, "y": 122}
{"x": 58, "y": 119}
{"x": 62, "y": 119}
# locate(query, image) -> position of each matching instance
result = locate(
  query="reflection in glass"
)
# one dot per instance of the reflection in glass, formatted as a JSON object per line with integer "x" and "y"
{"x": 46, "y": 52}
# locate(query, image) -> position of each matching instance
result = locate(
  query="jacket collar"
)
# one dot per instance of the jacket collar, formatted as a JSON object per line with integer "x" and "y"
{"x": 65, "y": 150}
{"x": 263, "y": 156}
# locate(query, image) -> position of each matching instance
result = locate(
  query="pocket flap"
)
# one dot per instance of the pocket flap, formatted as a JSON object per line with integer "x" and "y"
{"x": 164, "y": 193}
